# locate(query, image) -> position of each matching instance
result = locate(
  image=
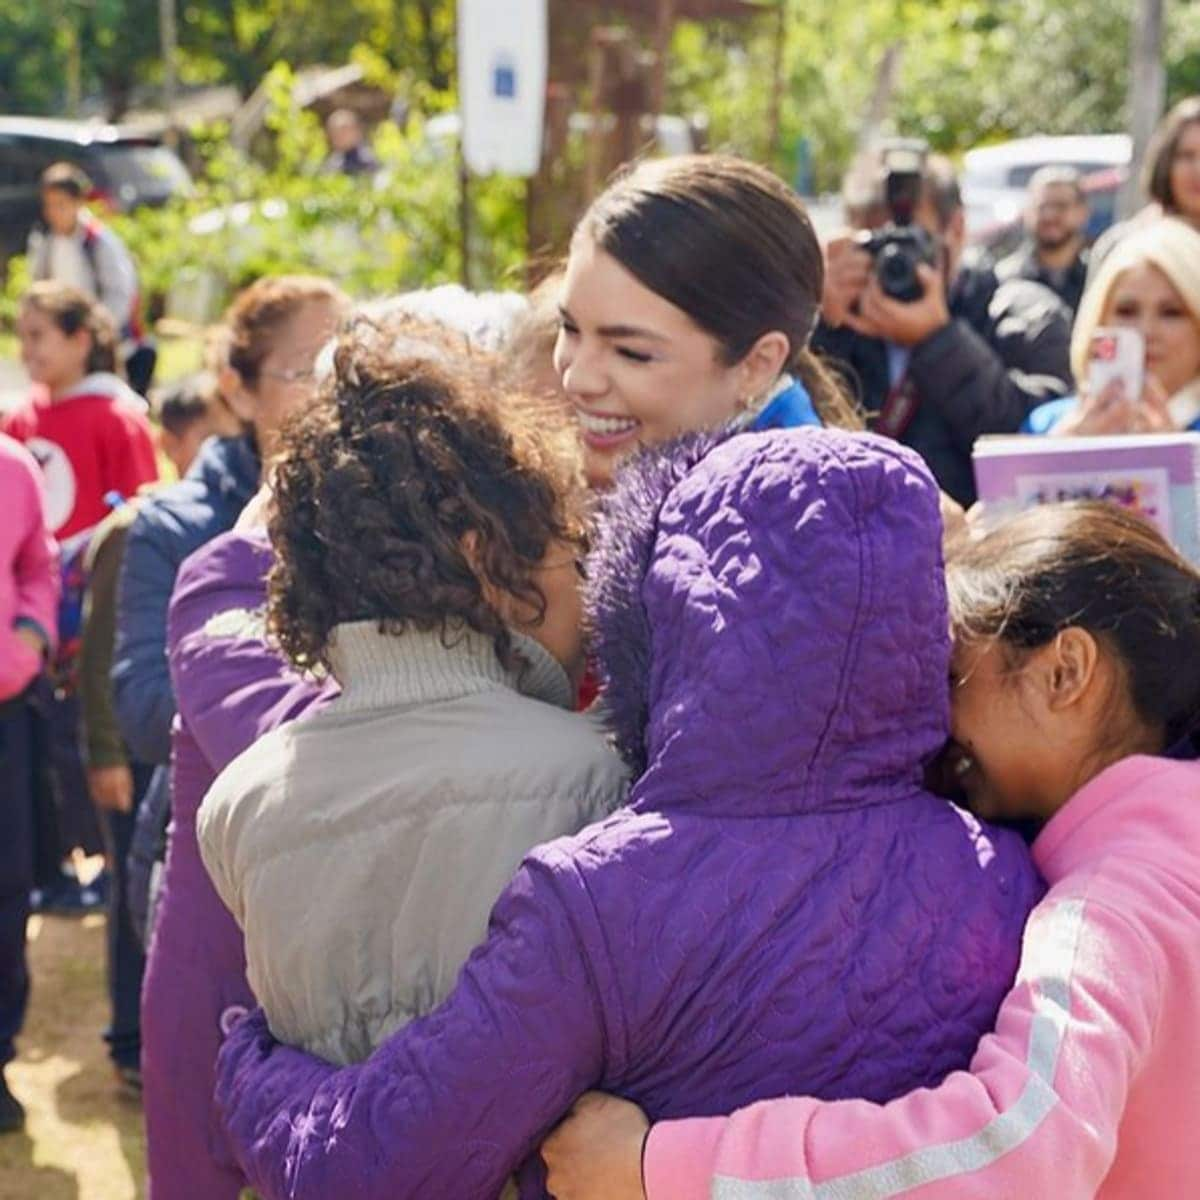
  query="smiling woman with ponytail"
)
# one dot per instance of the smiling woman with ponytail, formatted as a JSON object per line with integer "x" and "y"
{"x": 691, "y": 291}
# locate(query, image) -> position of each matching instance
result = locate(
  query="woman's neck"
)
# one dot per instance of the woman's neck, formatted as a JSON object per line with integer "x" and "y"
{"x": 1077, "y": 775}
{"x": 61, "y": 389}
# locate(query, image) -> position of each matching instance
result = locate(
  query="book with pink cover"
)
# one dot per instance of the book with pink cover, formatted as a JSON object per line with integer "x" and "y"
{"x": 1156, "y": 475}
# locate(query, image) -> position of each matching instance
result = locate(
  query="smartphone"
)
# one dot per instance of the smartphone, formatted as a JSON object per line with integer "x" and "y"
{"x": 1117, "y": 352}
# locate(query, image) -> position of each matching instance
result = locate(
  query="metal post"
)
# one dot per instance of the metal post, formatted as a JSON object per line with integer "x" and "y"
{"x": 1147, "y": 92}
{"x": 664, "y": 27}
{"x": 168, "y": 34}
{"x": 464, "y": 215}
{"x": 775, "y": 118}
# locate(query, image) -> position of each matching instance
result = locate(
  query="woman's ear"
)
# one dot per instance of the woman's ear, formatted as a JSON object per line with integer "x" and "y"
{"x": 763, "y": 364}
{"x": 1070, "y": 668}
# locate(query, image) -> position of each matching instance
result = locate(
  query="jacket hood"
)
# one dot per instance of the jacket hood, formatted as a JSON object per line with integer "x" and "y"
{"x": 108, "y": 386}
{"x": 229, "y": 467}
{"x": 769, "y": 613}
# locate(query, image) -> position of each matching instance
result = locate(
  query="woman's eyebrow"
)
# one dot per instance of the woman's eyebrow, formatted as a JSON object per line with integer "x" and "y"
{"x": 618, "y": 331}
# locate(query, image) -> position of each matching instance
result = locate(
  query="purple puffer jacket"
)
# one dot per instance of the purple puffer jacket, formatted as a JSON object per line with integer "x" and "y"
{"x": 230, "y": 688}
{"x": 781, "y": 908}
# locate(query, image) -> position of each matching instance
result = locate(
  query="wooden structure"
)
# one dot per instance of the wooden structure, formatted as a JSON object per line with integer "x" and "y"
{"x": 608, "y": 60}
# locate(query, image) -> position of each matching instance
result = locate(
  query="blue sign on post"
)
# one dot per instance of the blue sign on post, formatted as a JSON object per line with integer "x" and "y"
{"x": 504, "y": 79}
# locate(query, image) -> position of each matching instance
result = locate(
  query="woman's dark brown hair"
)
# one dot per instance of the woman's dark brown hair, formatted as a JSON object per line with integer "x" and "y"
{"x": 260, "y": 311}
{"x": 732, "y": 246}
{"x": 412, "y": 491}
{"x": 1097, "y": 567}
{"x": 72, "y": 310}
{"x": 1164, "y": 145}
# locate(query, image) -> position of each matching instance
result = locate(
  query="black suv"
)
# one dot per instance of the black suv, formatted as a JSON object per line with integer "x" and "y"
{"x": 127, "y": 168}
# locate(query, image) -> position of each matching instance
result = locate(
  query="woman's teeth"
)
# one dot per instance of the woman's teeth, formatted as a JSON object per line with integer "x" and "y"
{"x": 606, "y": 426}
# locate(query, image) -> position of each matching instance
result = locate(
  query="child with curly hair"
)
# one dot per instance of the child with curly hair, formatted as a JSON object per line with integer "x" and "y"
{"x": 426, "y": 532}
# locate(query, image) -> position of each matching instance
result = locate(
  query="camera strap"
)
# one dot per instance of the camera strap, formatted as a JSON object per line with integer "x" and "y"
{"x": 899, "y": 408}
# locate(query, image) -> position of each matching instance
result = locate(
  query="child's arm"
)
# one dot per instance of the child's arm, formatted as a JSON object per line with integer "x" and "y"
{"x": 105, "y": 747}
{"x": 448, "y": 1105}
{"x": 1036, "y": 1114}
{"x": 36, "y": 571}
{"x": 232, "y": 684}
{"x": 33, "y": 616}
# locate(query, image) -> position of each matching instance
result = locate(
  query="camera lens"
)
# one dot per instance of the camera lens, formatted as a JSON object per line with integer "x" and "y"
{"x": 896, "y": 269}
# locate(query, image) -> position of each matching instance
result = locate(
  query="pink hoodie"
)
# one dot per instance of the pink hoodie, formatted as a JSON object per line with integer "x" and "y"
{"x": 29, "y": 579}
{"x": 1090, "y": 1086}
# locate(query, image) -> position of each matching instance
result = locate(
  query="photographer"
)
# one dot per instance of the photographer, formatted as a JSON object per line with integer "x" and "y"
{"x": 961, "y": 354}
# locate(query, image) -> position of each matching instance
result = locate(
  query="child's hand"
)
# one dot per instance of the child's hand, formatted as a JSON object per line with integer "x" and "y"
{"x": 111, "y": 788}
{"x": 596, "y": 1153}
{"x": 31, "y": 638}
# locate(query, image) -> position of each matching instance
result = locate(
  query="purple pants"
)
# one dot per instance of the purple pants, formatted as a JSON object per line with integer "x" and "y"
{"x": 195, "y": 972}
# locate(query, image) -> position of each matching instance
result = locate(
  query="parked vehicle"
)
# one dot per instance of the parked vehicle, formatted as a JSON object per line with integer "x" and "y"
{"x": 992, "y": 242}
{"x": 127, "y": 168}
{"x": 994, "y": 178}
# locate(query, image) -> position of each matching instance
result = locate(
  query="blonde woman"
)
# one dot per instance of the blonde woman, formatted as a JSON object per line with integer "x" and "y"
{"x": 1151, "y": 282}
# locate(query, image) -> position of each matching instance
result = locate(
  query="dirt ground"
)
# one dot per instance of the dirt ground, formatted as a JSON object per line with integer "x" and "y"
{"x": 82, "y": 1140}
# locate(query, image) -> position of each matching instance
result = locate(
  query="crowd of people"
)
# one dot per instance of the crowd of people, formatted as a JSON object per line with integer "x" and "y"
{"x": 592, "y": 744}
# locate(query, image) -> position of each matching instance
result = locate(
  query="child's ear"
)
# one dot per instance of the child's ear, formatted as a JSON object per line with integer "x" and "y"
{"x": 1070, "y": 668}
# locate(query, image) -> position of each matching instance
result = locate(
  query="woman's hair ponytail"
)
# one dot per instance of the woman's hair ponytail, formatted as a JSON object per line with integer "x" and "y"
{"x": 829, "y": 397}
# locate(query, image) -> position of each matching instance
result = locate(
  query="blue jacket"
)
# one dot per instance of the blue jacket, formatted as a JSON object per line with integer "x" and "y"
{"x": 1046, "y": 416}
{"x": 790, "y": 407}
{"x": 170, "y": 526}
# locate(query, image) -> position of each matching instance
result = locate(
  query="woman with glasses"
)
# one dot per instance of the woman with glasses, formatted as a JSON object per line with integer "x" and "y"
{"x": 276, "y": 329}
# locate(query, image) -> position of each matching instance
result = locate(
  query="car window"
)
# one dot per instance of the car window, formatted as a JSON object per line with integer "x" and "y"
{"x": 20, "y": 167}
{"x": 1020, "y": 176}
{"x": 134, "y": 169}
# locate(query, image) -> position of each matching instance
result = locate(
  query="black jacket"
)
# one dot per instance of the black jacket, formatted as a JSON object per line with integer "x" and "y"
{"x": 1067, "y": 285}
{"x": 1005, "y": 351}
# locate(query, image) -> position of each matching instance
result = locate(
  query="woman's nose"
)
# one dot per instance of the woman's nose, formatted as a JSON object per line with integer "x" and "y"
{"x": 582, "y": 374}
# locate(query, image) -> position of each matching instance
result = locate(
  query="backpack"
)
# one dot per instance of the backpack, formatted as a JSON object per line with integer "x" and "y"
{"x": 73, "y": 559}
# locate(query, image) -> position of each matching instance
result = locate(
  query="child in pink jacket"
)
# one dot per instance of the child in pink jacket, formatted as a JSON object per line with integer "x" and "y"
{"x": 29, "y": 582}
{"x": 28, "y": 571}
{"x": 1077, "y": 663}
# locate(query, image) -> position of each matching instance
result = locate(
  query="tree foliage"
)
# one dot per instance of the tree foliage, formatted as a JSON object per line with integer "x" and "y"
{"x": 970, "y": 71}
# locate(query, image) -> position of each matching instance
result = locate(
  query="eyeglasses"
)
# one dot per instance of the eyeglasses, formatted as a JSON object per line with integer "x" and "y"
{"x": 290, "y": 374}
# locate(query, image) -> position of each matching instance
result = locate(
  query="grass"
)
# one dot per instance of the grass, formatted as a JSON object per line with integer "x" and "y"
{"x": 83, "y": 1140}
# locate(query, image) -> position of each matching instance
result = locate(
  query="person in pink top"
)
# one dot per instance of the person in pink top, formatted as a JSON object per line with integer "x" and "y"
{"x": 1077, "y": 672}
{"x": 29, "y": 582}
{"x": 28, "y": 571}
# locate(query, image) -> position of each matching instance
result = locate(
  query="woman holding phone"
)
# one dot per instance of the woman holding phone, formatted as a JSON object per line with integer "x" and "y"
{"x": 1148, "y": 287}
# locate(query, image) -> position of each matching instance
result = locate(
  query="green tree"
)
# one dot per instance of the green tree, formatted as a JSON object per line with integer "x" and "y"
{"x": 971, "y": 71}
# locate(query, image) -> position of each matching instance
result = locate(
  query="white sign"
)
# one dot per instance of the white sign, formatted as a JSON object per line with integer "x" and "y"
{"x": 502, "y": 49}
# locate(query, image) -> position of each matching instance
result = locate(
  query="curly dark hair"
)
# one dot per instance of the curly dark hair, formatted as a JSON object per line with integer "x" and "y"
{"x": 413, "y": 494}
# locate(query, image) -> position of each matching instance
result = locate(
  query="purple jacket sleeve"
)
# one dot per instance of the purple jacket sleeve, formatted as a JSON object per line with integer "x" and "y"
{"x": 231, "y": 685}
{"x": 450, "y": 1104}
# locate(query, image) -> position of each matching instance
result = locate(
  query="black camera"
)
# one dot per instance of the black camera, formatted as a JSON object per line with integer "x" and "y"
{"x": 901, "y": 244}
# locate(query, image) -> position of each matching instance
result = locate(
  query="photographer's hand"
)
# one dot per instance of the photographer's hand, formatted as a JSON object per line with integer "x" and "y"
{"x": 900, "y": 323}
{"x": 847, "y": 273}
